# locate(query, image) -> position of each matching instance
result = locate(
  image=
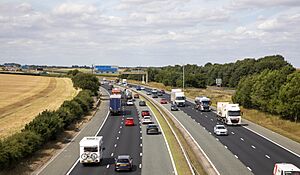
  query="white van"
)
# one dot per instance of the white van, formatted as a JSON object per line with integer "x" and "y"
{"x": 285, "y": 169}
{"x": 91, "y": 149}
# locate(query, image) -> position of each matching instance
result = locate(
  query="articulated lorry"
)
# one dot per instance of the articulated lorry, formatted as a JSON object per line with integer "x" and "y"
{"x": 202, "y": 104}
{"x": 229, "y": 114}
{"x": 91, "y": 150}
{"x": 115, "y": 103}
{"x": 178, "y": 97}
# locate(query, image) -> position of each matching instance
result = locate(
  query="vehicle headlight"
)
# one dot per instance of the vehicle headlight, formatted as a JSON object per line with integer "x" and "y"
{"x": 84, "y": 156}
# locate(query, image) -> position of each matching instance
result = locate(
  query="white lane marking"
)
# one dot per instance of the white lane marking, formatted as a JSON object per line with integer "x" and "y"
{"x": 141, "y": 138}
{"x": 194, "y": 119}
{"x": 117, "y": 138}
{"x": 140, "y": 126}
{"x": 249, "y": 169}
{"x": 217, "y": 139}
{"x": 119, "y": 132}
{"x": 253, "y": 146}
{"x": 210, "y": 133}
{"x": 122, "y": 119}
{"x": 140, "y": 166}
{"x": 141, "y": 132}
{"x": 211, "y": 119}
{"x": 121, "y": 123}
{"x": 226, "y": 147}
{"x": 267, "y": 156}
{"x": 236, "y": 156}
{"x": 75, "y": 163}
{"x": 204, "y": 128}
{"x": 242, "y": 139}
{"x": 141, "y": 145}
{"x": 112, "y": 154}
{"x": 115, "y": 145}
{"x": 272, "y": 141}
{"x": 121, "y": 127}
{"x": 107, "y": 166}
{"x": 141, "y": 154}
{"x": 232, "y": 133}
{"x": 205, "y": 116}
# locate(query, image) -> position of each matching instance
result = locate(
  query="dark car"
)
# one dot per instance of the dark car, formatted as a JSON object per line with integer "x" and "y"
{"x": 142, "y": 103}
{"x": 163, "y": 91}
{"x": 123, "y": 162}
{"x": 154, "y": 96}
{"x": 152, "y": 129}
{"x": 136, "y": 96}
{"x": 174, "y": 107}
{"x": 159, "y": 93}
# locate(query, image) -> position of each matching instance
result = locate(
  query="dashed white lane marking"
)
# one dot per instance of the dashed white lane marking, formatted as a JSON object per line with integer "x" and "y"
{"x": 242, "y": 139}
{"x": 141, "y": 138}
{"x": 211, "y": 119}
{"x": 236, "y": 156}
{"x": 210, "y": 133}
{"x": 217, "y": 139}
{"x": 267, "y": 156}
{"x": 112, "y": 154}
{"x": 117, "y": 138}
{"x": 121, "y": 123}
{"x": 115, "y": 145}
{"x": 141, "y": 145}
{"x": 121, "y": 127}
{"x": 205, "y": 116}
{"x": 249, "y": 169}
{"x": 107, "y": 166}
{"x": 204, "y": 128}
{"x": 253, "y": 146}
{"x": 141, "y": 132}
{"x": 140, "y": 126}
{"x": 122, "y": 118}
{"x": 141, "y": 154}
{"x": 140, "y": 166}
{"x": 232, "y": 133}
{"x": 119, "y": 132}
{"x": 226, "y": 147}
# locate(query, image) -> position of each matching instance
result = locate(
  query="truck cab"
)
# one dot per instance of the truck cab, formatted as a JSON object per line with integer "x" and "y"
{"x": 203, "y": 104}
{"x": 180, "y": 99}
{"x": 233, "y": 114}
{"x": 285, "y": 169}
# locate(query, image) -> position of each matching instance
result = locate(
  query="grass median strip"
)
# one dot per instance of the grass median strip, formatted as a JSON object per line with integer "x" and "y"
{"x": 179, "y": 159}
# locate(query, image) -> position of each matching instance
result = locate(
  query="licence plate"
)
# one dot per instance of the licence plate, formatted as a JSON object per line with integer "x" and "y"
{"x": 123, "y": 164}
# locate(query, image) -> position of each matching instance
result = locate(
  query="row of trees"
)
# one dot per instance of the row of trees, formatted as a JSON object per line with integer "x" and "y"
{"x": 275, "y": 92}
{"x": 49, "y": 124}
{"x": 202, "y": 76}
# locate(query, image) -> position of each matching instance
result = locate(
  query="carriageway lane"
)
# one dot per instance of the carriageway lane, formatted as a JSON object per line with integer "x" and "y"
{"x": 257, "y": 153}
{"x": 156, "y": 158}
{"x": 118, "y": 139}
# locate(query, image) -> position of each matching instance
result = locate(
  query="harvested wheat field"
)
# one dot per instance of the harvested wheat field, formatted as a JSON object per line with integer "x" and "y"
{"x": 24, "y": 97}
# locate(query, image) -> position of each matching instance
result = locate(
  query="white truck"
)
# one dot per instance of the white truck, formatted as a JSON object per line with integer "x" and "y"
{"x": 91, "y": 149}
{"x": 124, "y": 82}
{"x": 202, "y": 103}
{"x": 178, "y": 97}
{"x": 285, "y": 169}
{"x": 229, "y": 114}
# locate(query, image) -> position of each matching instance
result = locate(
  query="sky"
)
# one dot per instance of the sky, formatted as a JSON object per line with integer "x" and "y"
{"x": 147, "y": 32}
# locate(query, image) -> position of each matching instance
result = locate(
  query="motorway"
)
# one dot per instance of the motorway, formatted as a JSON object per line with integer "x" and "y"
{"x": 257, "y": 153}
{"x": 132, "y": 140}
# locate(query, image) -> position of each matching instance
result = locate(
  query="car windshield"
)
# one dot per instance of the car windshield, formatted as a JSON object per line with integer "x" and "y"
{"x": 90, "y": 149}
{"x": 152, "y": 126}
{"x": 292, "y": 173}
{"x": 205, "y": 103}
{"x": 221, "y": 127}
{"x": 234, "y": 113}
{"x": 180, "y": 98}
{"x": 123, "y": 161}
{"x": 129, "y": 119}
{"x": 147, "y": 118}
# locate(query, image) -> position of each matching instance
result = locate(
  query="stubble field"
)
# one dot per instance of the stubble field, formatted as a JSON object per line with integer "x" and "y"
{"x": 24, "y": 97}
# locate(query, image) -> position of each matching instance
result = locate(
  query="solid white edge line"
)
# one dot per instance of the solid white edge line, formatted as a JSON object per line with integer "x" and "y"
{"x": 167, "y": 144}
{"x": 272, "y": 141}
{"x": 70, "y": 170}
{"x": 54, "y": 157}
{"x": 196, "y": 143}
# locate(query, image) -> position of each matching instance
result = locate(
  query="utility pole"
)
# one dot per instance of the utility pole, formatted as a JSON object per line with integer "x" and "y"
{"x": 183, "y": 77}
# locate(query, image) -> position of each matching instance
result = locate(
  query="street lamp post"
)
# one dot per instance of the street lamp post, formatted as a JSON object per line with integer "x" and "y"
{"x": 183, "y": 77}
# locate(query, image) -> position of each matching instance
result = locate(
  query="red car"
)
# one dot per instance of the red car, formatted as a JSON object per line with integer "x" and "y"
{"x": 145, "y": 113}
{"x": 163, "y": 101}
{"x": 129, "y": 121}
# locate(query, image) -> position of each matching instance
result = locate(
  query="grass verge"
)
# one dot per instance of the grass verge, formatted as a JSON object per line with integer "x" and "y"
{"x": 181, "y": 165}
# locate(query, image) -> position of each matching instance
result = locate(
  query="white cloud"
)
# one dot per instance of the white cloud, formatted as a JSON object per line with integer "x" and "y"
{"x": 74, "y": 9}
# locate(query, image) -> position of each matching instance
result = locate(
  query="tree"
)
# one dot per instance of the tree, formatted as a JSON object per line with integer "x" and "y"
{"x": 289, "y": 97}
{"x": 86, "y": 81}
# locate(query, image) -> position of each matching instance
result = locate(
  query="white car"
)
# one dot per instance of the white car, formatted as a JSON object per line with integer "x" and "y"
{"x": 129, "y": 102}
{"x": 142, "y": 88}
{"x": 146, "y": 120}
{"x": 220, "y": 130}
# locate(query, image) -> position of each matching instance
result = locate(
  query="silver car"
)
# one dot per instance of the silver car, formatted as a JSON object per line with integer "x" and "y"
{"x": 220, "y": 130}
